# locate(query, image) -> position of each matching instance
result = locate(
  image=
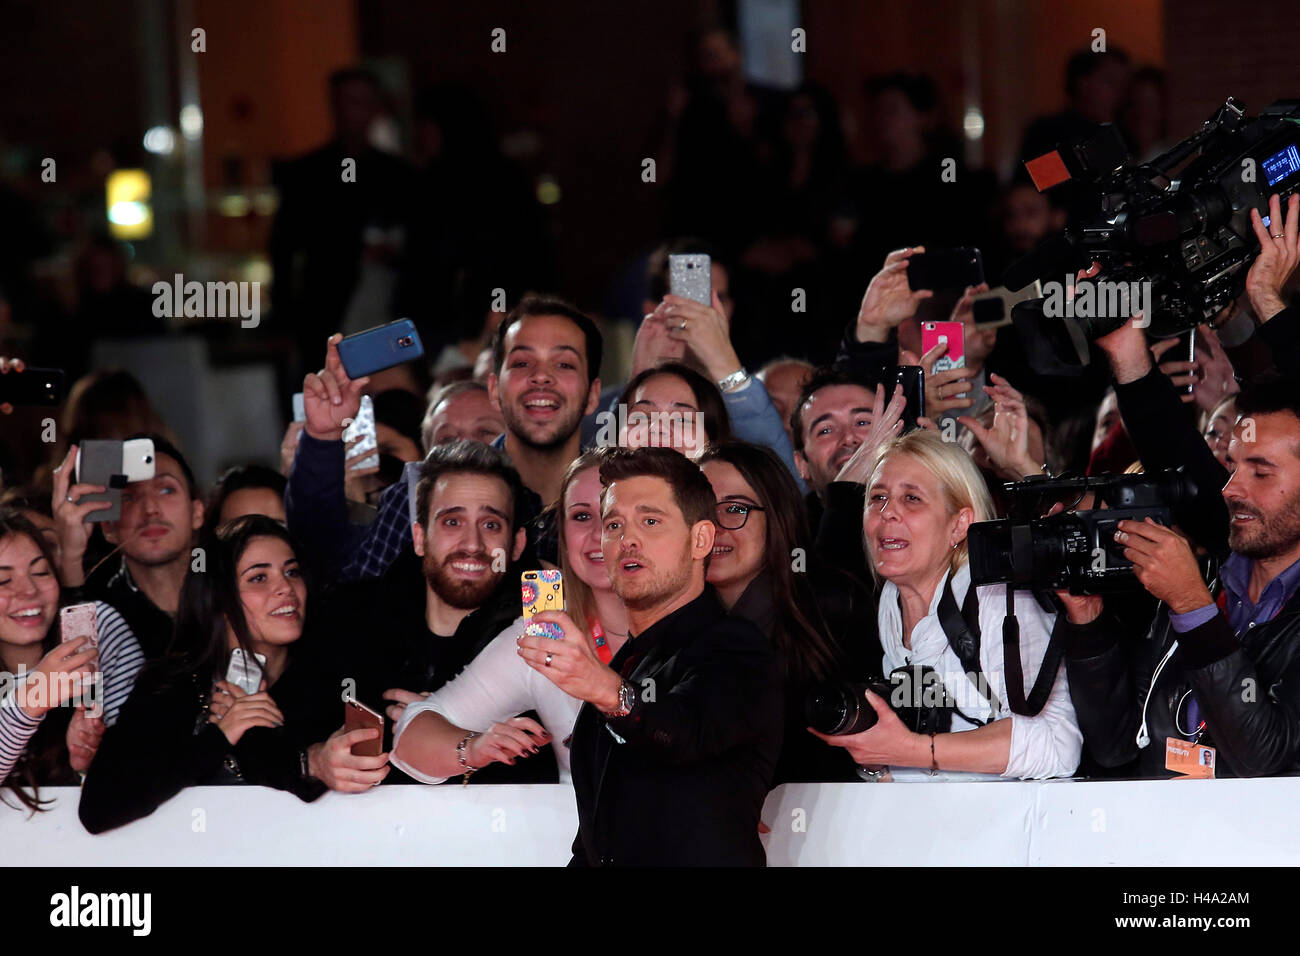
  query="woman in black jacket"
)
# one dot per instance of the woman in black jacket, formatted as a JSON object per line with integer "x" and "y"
{"x": 821, "y": 621}
{"x": 184, "y": 725}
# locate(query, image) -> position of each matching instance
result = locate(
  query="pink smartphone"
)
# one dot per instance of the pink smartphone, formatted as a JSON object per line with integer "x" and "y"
{"x": 932, "y": 333}
{"x": 78, "y": 621}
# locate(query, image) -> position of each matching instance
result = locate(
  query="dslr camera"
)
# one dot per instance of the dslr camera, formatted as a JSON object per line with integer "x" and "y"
{"x": 1074, "y": 550}
{"x": 916, "y": 694}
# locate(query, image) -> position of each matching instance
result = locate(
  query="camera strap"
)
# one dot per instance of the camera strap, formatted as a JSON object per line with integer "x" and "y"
{"x": 1012, "y": 670}
{"x": 962, "y": 628}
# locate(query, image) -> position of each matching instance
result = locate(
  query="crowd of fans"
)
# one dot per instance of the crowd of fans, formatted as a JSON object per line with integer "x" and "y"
{"x": 788, "y": 536}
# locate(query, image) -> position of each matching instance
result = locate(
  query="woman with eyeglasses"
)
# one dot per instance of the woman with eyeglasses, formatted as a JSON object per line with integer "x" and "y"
{"x": 820, "y": 620}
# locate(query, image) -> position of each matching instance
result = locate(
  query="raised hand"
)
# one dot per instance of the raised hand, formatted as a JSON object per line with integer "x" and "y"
{"x": 1279, "y": 253}
{"x": 329, "y": 397}
{"x": 889, "y": 300}
{"x": 886, "y": 423}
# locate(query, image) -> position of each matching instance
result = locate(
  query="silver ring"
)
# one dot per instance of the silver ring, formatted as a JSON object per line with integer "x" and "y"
{"x": 68, "y": 498}
{"x": 548, "y": 660}
{"x": 681, "y": 326}
{"x": 1280, "y": 235}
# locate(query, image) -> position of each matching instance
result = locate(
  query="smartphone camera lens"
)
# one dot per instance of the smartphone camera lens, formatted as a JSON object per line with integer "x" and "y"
{"x": 405, "y": 342}
{"x": 148, "y": 459}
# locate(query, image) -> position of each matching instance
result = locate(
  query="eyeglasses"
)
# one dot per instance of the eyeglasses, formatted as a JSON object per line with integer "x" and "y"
{"x": 732, "y": 515}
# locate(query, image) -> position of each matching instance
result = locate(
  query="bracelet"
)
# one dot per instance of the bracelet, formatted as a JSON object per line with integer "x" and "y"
{"x": 460, "y": 755}
{"x": 733, "y": 382}
{"x": 934, "y": 763}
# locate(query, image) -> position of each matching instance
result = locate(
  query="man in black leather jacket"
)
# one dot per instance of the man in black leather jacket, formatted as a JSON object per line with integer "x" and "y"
{"x": 1214, "y": 689}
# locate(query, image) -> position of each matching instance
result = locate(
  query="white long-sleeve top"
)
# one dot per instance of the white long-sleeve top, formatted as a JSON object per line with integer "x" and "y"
{"x": 120, "y": 660}
{"x": 496, "y": 686}
{"x": 1046, "y": 745}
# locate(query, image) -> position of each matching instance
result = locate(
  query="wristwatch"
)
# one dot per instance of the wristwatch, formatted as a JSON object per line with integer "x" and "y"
{"x": 733, "y": 382}
{"x": 626, "y": 698}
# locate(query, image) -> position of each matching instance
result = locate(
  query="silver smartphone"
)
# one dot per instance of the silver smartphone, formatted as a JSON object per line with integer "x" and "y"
{"x": 113, "y": 464}
{"x": 363, "y": 427}
{"x": 691, "y": 277}
{"x": 243, "y": 673}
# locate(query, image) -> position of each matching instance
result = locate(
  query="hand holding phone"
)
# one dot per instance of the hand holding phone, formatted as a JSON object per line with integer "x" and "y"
{"x": 953, "y": 333}
{"x": 357, "y": 716}
{"x": 112, "y": 465}
{"x": 331, "y": 397}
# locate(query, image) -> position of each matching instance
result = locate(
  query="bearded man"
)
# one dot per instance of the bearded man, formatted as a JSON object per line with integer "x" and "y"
{"x": 393, "y": 640}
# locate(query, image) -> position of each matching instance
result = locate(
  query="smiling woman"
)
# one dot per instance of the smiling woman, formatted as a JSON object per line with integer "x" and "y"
{"x": 185, "y": 725}
{"x": 41, "y": 677}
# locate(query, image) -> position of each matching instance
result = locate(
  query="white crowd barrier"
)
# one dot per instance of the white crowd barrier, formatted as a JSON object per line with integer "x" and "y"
{"x": 1053, "y": 823}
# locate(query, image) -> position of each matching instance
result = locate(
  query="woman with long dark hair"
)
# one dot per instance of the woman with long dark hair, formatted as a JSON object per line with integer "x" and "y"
{"x": 819, "y": 619}
{"x": 185, "y": 725}
{"x": 41, "y": 676}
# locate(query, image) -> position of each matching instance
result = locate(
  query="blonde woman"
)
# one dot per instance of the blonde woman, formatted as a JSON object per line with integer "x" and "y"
{"x": 922, "y": 496}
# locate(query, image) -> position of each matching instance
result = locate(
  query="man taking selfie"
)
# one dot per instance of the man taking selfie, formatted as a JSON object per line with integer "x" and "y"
{"x": 673, "y": 753}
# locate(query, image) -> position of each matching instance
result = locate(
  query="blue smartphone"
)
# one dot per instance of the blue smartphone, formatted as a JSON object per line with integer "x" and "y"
{"x": 379, "y": 348}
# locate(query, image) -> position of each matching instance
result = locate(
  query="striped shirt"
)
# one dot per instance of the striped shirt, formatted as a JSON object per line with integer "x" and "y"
{"x": 120, "y": 660}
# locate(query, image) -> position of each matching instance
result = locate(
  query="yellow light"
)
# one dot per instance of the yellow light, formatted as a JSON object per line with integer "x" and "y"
{"x": 130, "y": 215}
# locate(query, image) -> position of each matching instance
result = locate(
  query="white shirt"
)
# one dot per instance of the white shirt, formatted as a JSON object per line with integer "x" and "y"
{"x": 1047, "y": 745}
{"x": 496, "y": 686}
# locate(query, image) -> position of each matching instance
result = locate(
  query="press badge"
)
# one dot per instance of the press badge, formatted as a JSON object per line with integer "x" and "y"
{"x": 1189, "y": 759}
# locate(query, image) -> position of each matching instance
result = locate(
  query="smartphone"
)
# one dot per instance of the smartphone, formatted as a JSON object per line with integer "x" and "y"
{"x": 912, "y": 378}
{"x": 691, "y": 277}
{"x": 363, "y": 427}
{"x": 32, "y": 386}
{"x": 379, "y": 348}
{"x": 299, "y": 409}
{"x": 357, "y": 716}
{"x": 78, "y": 621}
{"x": 113, "y": 464}
{"x": 243, "y": 673}
{"x": 932, "y": 333}
{"x": 992, "y": 309}
{"x": 542, "y": 590}
{"x": 945, "y": 269}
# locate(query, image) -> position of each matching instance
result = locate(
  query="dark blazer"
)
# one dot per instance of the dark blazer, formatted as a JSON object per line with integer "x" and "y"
{"x": 684, "y": 780}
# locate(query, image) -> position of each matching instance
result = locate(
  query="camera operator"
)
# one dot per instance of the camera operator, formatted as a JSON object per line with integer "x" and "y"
{"x": 1214, "y": 686}
{"x": 922, "y": 496}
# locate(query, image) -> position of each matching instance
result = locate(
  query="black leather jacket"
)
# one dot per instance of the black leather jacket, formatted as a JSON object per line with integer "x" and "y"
{"x": 1248, "y": 689}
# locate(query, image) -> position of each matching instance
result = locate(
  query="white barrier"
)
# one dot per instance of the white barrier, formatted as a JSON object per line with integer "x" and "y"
{"x": 1055, "y": 823}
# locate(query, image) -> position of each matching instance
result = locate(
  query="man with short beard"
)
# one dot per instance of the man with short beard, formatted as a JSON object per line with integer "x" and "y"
{"x": 674, "y": 751}
{"x": 406, "y": 634}
{"x": 1215, "y": 689}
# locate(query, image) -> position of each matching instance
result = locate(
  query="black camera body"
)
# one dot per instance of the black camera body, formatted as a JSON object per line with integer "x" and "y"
{"x": 1074, "y": 550}
{"x": 916, "y": 694}
{"x": 1185, "y": 231}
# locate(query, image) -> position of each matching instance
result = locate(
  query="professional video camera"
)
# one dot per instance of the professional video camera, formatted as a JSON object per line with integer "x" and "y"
{"x": 1073, "y": 549}
{"x": 1184, "y": 229}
